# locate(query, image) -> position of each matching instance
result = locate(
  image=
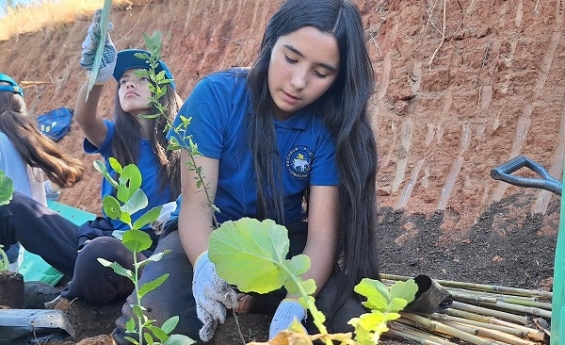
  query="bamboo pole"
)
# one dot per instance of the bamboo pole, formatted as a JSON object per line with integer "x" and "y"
{"x": 498, "y": 336}
{"x": 403, "y": 331}
{"x": 479, "y": 287}
{"x": 530, "y": 333}
{"x": 519, "y": 308}
{"x": 440, "y": 327}
{"x": 490, "y": 312}
{"x": 491, "y": 297}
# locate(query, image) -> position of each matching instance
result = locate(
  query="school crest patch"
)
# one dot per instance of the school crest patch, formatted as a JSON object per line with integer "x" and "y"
{"x": 298, "y": 161}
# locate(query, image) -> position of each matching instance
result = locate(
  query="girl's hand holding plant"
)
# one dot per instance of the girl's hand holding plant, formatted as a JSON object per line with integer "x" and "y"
{"x": 212, "y": 294}
{"x": 109, "y": 56}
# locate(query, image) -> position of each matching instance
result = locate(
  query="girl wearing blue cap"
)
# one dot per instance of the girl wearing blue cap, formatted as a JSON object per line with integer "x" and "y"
{"x": 130, "y": 139}
{"x": 293, "y": 128}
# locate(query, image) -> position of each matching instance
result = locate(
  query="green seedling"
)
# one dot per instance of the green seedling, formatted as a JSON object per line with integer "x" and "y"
{"x": 4, "y": 262}
{"x": 261, "y": 247}
{"x": 129, "y": 200}
{"x": 6, "y": 191}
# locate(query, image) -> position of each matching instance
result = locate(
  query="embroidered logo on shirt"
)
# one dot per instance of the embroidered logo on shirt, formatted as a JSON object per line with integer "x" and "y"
{"x": 298, "y": 161}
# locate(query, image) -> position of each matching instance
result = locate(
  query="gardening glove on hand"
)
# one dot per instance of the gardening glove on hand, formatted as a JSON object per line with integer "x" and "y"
{"x": 89, "y": 46}
{"x": 212, "y": 294}
{"x": 287, "y": 311}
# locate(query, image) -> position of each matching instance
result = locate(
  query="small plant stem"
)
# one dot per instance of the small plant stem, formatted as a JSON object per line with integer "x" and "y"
{"x": 238, "y": 328}
{"x": 311, "y": 306}
{"x": 140, "y": 321}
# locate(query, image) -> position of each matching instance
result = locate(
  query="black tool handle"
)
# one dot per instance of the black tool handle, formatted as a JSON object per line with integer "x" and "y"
{"x": 504, "y": 172}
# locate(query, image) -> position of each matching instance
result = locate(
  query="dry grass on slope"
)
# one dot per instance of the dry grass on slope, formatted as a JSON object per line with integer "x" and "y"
{"x": 50, "y": 13}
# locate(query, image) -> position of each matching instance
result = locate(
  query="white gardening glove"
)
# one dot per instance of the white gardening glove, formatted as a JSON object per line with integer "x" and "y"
{"x": 287, "y": 311}
{"x": 89, "y": 46}
{"x": 212, "y": 294}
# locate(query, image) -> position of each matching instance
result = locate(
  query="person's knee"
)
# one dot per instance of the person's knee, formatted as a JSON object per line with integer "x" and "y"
{"x": 95, "y": 282}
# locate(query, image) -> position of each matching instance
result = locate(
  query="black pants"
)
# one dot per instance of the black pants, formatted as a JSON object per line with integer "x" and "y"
{"x": 46, "y": 233}
{"x": 174, "y": 297}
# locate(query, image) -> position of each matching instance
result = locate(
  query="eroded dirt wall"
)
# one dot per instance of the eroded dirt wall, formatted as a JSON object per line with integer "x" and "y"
{"x": 463, "y": 86}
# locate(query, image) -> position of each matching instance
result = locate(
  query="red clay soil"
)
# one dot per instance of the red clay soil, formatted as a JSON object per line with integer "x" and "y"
{"x": 463, "y": 86}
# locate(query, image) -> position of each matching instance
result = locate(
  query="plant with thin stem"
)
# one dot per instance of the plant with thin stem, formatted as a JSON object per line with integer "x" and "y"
{"x": 6, "y": 191}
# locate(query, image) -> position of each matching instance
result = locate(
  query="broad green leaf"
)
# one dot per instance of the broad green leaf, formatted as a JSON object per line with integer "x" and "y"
{"x": 298, "y": 264}
{"x": 116, "y": 267}
{"x": 158, "y": 332}
{"x": 130, "y": 181}
{"x": 397, "y": 304}
{"x": 376, "y": 292}
{"x": 152, "y": 285}
{"x": 101, "y": 168}
{"x": 148, "y": 217}
{"x": 368, "y": 327}
{"x": 391, "y": 316}
{"x": 309, "y": 286}
{"x": 404, "y": 290}
{"x": 125, "y": 218}
{"x": 148, "y": 338}
{"x": 260, "y": 247}
{"x": 6, "y": 189}
{"x": 169, "y": 325}
{"x": 115, "y": 165}
{"x": 137, "y": 201}
{"x": 111, "y": 207}
{"x": 179, "y": 339}
{"x": 136, "y": 241}
{"x": 137, "y": 311}
{"x": 154, "y": 257}
{"x": 130, "y": 325}
{"x": 132, "y": 340}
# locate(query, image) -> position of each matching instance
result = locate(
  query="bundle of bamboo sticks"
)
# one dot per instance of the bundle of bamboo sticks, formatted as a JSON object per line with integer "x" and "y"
{"x": 480, "y": 314}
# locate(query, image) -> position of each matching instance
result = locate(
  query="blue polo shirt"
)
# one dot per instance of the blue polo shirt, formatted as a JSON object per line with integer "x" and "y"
{"x": 218, "y": 106}
{"x": 148, "y": 166}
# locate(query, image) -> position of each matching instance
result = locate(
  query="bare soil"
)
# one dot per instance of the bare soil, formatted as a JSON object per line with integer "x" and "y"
{"x": 463, "y": 86}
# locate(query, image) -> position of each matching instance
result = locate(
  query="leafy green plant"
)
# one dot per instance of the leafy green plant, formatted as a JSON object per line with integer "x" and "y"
{"x": 6, "y": 191}
{"x": 261, "y": 247}
{"x": 130, "y": 199}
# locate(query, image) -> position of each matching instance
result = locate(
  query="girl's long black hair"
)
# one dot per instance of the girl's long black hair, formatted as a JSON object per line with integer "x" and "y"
{"x": 125, "y": 145}
{"x": 344, "y": 110}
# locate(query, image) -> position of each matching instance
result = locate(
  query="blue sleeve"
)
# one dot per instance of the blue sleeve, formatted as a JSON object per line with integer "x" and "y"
{"x": 207, "y": 107}
{"x": 324, "y": 171}
{"x": 106, "y": 147}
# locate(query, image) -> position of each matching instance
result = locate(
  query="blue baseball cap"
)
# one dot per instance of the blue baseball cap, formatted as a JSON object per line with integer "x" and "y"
{"x": 13, "y": 87}
{"x": 127, "y": 60}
